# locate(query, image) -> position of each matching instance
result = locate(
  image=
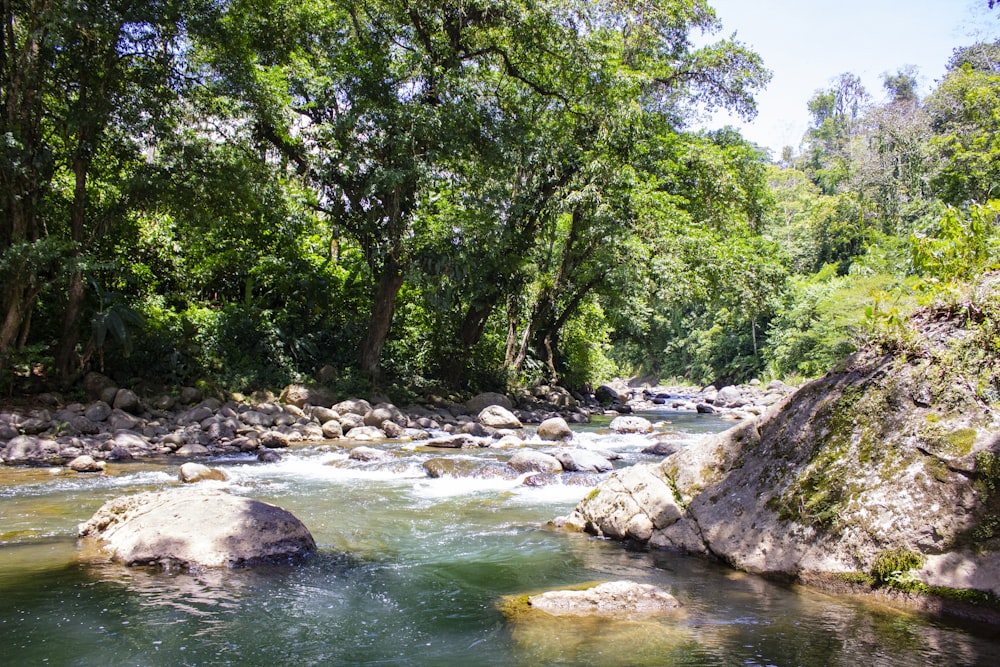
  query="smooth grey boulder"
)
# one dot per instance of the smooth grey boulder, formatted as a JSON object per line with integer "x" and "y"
{"x": 192, "y": 528}
{"x": 29, "y": 449}
{"x": 86, "y": 463}
{"x": 497, "y": 416}
{"x": 582, "y": 460}
{"x": 529, "y": 460}
{"x": 191, "y": 472}
{"x": 554, "y": 429}
{"x": 476, "y": 404}
{"x": 631, "y": 424}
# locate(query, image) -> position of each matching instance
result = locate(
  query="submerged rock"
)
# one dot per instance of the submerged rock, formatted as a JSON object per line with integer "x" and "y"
{"x": 614, "y": 598}
{"x": 193, "y": 528}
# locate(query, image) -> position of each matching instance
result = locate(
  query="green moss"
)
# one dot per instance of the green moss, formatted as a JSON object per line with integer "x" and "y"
{"x": 961, "y": 441}
{"x": 967, "y": 595}
{"x": 988, "y": 472}
{"x": 857, "y": 578}
{"x": 593, "y": 494}
{"x": 892, "y": 568}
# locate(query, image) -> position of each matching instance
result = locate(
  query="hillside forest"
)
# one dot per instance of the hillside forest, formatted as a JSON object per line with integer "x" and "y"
{"x": 462, "y": 195}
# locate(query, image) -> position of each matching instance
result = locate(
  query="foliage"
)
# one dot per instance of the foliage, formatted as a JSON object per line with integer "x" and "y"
{"x": 892, "y": 567}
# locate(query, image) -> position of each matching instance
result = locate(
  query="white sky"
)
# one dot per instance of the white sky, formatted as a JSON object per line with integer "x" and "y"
{"x": 807, "y": 43}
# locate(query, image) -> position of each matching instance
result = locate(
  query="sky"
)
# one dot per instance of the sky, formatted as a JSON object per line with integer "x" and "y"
{"x": 807, "y": 43}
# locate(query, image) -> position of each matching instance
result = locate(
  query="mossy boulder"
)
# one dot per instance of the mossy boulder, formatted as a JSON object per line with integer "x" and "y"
{"x": 896, "y": 451}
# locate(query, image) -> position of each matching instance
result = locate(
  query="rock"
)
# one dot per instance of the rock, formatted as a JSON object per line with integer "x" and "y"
{"x": 268, "y": 456}
{"x": 83, "y": 425}
{"x": 119, "y": 420}
{"x": 478, "y": 403}
{"x": 323, "y": 415}
{"x": 496, "y": 416}
{"x": 614, "y": 598}
{"x": 191, "y": 472}
{"x": 192, "y": 449}
{"x": 632, "y": 503}
{"x": 663, "y": 448}
{"x": 127, "y": 401}
{"x": 349, "y": 420}
{"x": 30, "y": 449}
{"x": 332, "y": 429}
{"x": 255, "y": 418}
{"x": 98, "y": 411}
{"x": 95, "y": 384}
{"x": 190, "y": 395}
{"x": 354, "y": 406}
{"x": 164, "y": 403}
{"x": 582, "y": 460}
{"x": 529, "y": 460}
{"x": 555, "y": 428}
{"x": 119, "y": 453}
{"x": 274, "y": 439}
{"x": 367, "y": 454}
{"x": 631, "y": 424}
{"x": 607, "y": 395}
{"x": 844, "y": 470}
{"x": 729, "y": 397}
{"x": 385, "y": 412}
{"x": 365, "y": 433}
{"x": 301, "y": 394}
{"x": 463, "y": 468}
{"x": 452, "y": 442}
{"x": 130, "y": 441}
{"x": 392, "y": 429}
{"x": 86, "y": 463}
{"x": 475, "y": 429}
{"x": 35, "y": 425}
{"x": 193, "y": 528}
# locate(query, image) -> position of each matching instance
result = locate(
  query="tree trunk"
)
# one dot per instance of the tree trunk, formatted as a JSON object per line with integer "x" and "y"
{"x": 383, "y": 308}
{"x": 66, "y": 354}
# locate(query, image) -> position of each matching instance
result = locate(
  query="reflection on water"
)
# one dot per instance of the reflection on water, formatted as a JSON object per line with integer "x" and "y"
{"x": 410, "y": 572}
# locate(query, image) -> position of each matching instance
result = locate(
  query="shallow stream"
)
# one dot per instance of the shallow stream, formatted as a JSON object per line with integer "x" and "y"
{"x": 410, "y": 572}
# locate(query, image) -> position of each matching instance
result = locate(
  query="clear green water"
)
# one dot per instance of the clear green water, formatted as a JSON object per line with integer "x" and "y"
{"x": 410, "y": 572}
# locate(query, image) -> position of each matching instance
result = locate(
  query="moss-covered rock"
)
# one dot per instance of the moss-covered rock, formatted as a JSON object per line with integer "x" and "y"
{"x": 895, "y": 452}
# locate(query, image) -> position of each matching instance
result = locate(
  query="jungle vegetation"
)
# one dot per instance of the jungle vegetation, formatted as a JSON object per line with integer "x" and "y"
{"x": 462, "y": 194}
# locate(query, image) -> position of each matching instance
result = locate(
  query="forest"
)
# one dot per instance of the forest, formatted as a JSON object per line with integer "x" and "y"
{"x": 463, "y": 195}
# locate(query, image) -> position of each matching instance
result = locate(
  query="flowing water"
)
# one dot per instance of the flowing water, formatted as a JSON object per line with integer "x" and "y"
{"x": 410, "y": 572}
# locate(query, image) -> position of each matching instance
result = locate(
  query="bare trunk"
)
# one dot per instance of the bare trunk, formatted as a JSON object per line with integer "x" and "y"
{"x": 66, "y": 354}
{"x": 383, "y": 308}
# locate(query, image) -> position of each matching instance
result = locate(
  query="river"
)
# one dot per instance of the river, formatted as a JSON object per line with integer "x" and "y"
{"x": 410, "y": 572}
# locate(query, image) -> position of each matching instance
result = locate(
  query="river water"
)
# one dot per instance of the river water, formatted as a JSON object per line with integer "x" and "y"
{"x": 410, "y": 571}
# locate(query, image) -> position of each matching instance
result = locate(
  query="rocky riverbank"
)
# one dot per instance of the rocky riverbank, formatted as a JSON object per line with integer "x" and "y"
{"x": 884, "y": 474}
{"x": 119, "y": 425}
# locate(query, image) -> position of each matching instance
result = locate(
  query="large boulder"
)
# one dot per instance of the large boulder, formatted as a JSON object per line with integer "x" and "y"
{"x": 301, "y": 394}
{"x": 496, "y": 416}
{"x": 29, "y": 449}
{"x": 476, "y": 404}
{"x": 583, "y": 460}
{"x": 631, "y": 424}
{"x": 889, "y": 458}
{"x": 555, "y": 428}
{"x": 528, "y": 460}
{"x": 192, "y": 472}
{"x": 194, "y": 528}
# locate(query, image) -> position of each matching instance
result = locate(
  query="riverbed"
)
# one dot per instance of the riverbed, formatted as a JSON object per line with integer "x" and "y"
{"x": 410, "y": 571}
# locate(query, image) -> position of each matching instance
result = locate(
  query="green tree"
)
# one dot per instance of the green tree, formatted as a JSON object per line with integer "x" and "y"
{"x": 965, "y": 118}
